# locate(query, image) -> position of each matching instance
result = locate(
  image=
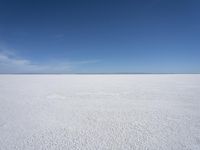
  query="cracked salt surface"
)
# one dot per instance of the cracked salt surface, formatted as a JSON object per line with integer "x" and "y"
{"x": 47, "y": 112}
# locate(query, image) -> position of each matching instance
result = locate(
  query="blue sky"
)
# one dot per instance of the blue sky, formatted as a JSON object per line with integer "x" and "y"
{"x": 99, "y": 36}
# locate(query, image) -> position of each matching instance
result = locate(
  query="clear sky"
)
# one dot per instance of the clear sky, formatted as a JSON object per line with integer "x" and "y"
{"x": 100, "y": 36}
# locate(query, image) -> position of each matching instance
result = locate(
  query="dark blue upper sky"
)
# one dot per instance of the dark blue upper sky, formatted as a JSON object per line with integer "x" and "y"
{"x": 147, "y": 36}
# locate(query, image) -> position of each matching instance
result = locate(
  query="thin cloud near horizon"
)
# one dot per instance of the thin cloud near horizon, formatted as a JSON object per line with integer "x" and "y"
{"x": 12, "y": 63}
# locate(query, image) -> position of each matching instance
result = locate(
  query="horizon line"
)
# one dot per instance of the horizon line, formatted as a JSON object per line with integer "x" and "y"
{"x": 114, "y": 73}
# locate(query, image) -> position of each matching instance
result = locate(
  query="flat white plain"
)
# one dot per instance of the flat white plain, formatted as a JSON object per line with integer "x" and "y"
{"x": 47, "y": 112}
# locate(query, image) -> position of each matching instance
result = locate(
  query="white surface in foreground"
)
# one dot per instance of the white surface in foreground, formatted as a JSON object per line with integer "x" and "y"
{"x": 45, "y": 112}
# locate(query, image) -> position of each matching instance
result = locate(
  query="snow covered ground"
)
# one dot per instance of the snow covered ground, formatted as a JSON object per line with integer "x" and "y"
{"x": 119, "y": 112}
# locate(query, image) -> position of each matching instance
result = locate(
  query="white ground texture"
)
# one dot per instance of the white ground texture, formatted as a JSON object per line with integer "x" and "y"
{"x": 99, "y": 112}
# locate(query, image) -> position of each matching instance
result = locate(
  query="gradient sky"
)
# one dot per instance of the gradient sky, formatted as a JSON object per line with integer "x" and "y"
{"x": 100, "y": 36}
